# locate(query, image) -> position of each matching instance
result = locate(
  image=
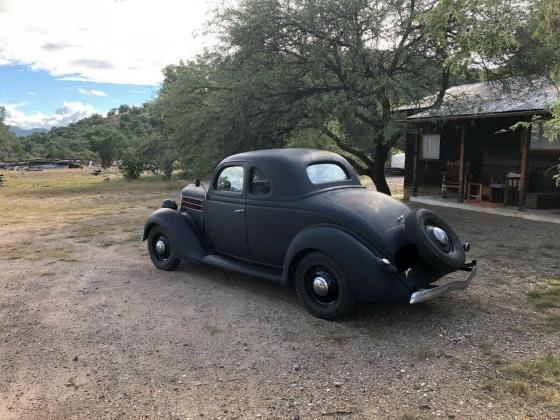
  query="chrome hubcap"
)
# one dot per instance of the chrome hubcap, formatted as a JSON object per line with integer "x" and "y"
{"x": 320, "y": 286}
{"x": 160, "y": 247}
{"x": 441, "y": 236}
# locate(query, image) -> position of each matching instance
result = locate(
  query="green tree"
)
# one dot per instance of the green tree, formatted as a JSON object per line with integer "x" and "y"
{"x": 342, "y": 68}
{"x": 10, "y": 146}
{"x": 538, "y": 55}
{"x": 107, "y": 142}
{"x": 132, "y": 164}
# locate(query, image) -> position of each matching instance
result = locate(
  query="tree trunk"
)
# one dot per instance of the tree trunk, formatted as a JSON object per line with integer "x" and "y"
{"x": 378, "y": 170}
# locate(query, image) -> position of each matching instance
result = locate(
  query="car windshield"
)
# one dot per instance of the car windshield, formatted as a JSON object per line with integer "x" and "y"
{"x": 321, "y": 173}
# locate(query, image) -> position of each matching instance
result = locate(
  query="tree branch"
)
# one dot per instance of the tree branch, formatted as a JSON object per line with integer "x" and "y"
{"x": 348, "y": 149}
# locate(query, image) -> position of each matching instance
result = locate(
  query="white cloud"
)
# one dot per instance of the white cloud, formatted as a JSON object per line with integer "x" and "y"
{"x": 65, "y": 114}
{"x": 103, "y": 40}
{"x": 91, "y": 92}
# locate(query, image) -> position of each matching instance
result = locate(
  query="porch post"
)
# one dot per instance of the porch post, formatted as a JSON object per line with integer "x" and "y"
{"x": 462, "y": 164}
{"x": 415, "y": 166}
{"x": 524, "y": 166}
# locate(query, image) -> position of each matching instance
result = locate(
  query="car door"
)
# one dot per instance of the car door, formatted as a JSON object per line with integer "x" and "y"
{"x": 225, "y": 212}
{"x": 271, "y": 224}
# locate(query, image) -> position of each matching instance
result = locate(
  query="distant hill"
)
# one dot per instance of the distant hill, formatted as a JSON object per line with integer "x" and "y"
{"x": 22, "y": 132}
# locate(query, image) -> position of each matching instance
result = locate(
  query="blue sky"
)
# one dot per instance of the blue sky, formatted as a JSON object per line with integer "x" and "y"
{"x": 62, "y": 60}
{"x": 35, "y": 91}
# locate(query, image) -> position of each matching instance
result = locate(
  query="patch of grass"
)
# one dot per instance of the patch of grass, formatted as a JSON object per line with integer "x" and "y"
{"x": 491, "y": 354}
{"x": 76, "y": 182}
{"x": 529, "y": 380}
{"x": 545, "y": 298}
{"x": 71, "y": 196}
{"x": 489, "y": 384}
{"x": 553, "y": 321}
{"x": 96, "y": 227}
{"x": 517, "y": 388}
{"x": 546, "y": 294}
{"x": 39, "y": 254}
{"x": 133, "y": 237}
{"x": 544, "y": 370}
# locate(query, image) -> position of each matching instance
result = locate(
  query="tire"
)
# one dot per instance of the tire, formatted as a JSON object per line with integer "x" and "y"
{"x": 419, "y": 226}
{"x": 162, "y": 260}
{"x": 338, "y": 302}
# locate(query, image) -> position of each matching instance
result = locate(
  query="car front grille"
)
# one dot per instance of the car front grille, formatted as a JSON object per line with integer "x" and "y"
{"x": 193, "y": 203}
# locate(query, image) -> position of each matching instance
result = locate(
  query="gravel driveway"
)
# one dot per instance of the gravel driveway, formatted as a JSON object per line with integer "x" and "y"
{"x": 89, "y": 328}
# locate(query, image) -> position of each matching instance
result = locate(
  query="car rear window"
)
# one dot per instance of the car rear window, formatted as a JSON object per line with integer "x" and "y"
{"x": 321, "y": 173}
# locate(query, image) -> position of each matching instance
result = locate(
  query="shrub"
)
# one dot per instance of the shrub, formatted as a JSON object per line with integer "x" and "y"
{"x": 131, "y": 164}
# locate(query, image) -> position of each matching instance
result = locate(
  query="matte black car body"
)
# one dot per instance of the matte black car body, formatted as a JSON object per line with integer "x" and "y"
{"x": 268, "y": 233}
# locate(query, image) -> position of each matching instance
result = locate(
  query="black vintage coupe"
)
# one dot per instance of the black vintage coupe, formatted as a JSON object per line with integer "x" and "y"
{"x": 302, "y": 217}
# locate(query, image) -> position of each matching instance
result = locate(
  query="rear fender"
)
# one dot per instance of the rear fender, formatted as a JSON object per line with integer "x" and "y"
{"x": 181, "y": 231}
{"x": 368, "y": 276}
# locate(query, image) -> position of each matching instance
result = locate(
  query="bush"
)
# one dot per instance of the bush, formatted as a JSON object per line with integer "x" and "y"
{"x": 167, "y": 168}
{"x": 131, "y": 164}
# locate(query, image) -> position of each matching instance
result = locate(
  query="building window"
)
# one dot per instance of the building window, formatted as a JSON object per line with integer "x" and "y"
{"x": 541, "y": 142}
{"x": 430, "y": 146}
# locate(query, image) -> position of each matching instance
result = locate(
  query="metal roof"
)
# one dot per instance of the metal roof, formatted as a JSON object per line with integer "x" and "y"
{"x": 505, "y": 97}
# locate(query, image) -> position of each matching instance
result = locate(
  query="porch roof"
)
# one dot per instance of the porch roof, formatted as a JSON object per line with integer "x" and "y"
{"x": 498, "y": 98}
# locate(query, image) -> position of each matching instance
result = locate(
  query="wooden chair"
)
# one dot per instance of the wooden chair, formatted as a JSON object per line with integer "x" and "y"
{"x": 497, "y": 188}
{"x": 511, "y": 190}
{"x": 474, "y": 191}
{"x": 450, "y": 178}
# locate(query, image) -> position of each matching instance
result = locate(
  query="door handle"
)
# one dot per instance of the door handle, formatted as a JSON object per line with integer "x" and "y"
{"x": 239, "y": 211}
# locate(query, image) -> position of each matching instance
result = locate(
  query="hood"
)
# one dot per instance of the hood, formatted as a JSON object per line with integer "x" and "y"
{"x": 376, "y": 209}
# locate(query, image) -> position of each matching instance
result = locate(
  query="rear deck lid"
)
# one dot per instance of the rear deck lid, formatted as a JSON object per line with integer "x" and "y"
{"x": 379, "y": 210}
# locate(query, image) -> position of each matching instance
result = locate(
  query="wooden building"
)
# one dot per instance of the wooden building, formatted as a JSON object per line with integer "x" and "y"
{"x": 466, "y": 148}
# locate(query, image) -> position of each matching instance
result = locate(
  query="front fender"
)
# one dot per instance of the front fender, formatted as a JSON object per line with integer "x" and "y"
{"x": 181, "y": 231}
{"x": 369, "y": 278}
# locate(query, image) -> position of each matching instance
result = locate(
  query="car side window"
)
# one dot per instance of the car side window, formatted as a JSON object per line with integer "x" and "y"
{"x": 230, "y": 179}
{"x": 258, "y": 182}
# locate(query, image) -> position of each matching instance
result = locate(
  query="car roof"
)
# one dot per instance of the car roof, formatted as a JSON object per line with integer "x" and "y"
{"x": 287, "y": 170}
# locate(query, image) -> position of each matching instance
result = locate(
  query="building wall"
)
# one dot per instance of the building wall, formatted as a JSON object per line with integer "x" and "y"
{"x": 491, "y": 149}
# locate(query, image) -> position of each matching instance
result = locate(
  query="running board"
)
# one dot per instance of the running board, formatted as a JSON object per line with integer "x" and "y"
{"x": 227, "y": 263}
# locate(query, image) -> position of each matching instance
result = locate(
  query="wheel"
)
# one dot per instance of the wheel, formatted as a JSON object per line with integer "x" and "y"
{"x": 160, "y": 250}
{"x": 322, "y": 288}
{"x": 437, "y": 243}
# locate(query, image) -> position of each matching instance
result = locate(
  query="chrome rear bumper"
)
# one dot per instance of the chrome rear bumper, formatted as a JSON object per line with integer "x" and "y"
{"x": 424, "y": 295}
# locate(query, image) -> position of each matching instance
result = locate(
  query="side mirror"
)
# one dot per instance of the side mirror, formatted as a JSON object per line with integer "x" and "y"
{"x": 197, "y": 182}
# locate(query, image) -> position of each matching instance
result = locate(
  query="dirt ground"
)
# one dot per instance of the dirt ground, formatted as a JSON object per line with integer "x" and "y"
{"x": 90, "y": 329}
